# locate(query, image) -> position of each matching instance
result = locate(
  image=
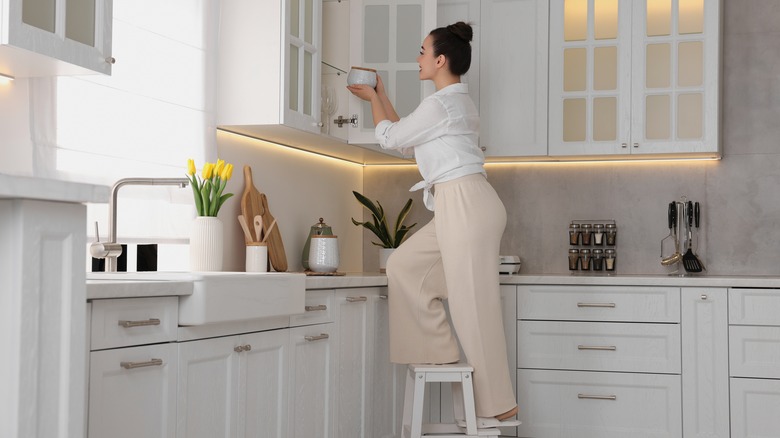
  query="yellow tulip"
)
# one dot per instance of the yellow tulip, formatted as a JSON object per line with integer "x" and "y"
{"x": 220, "y": 165}
{"x": 208, "y": 169}
{"x": 190, "y": 167}
{"x": 227, "y": 172}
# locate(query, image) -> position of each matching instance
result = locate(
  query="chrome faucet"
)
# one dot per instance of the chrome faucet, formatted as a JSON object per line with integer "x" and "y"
{"x": 111, "y": 250}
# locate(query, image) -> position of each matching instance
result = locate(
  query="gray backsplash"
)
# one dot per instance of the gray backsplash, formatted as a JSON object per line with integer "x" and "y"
{"x": 740, "y": 195}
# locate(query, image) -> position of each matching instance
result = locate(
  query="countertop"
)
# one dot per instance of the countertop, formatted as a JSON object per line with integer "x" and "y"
{"x": 27, "y": 187}
{"x": 97, "y": 289}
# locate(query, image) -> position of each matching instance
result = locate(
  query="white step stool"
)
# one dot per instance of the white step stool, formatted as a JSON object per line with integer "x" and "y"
{"x": 459, "y": 375}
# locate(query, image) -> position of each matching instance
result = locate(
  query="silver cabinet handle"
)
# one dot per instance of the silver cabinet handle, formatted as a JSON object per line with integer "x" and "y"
{"x": 383, "y": 297}
{"x": 316, "y": 308}
{"x": 610, "y": 305}
{"x": 316, "y": 338}
{"x": 597, "y": 397}
{"x": 704, "y": 297}
{"x": 128, "y": 324}
{"x": 636, "y": 145}
{"x": 240, "y": 348}
{"x": 356, "y": 299}
{"x": 150, "y": 363}
{"x": 623, "y": 145}
{"x": 597, "y": 347}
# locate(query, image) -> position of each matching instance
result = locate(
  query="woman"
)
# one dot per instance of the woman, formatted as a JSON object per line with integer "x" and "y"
{"x": 455, "y": 256}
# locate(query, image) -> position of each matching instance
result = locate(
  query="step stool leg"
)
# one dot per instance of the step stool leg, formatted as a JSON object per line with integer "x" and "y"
{"x": 467, "y": 388}
{"x": 408, "y": 400}
{"x": 417, "y": 405}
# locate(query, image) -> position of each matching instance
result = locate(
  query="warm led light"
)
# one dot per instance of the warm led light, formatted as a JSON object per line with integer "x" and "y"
{"x": 5, "y": 78}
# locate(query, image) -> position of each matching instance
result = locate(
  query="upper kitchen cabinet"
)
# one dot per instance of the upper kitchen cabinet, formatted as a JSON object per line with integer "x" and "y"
{"x": 55, "y": 37}
{"x": 635, "y": 77}
{"x": 508, "y": 75}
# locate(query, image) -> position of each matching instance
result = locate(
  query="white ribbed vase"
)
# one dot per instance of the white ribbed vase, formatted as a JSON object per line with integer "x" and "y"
{"x": 384, "y": 254}
{"x": 206, "y": 240}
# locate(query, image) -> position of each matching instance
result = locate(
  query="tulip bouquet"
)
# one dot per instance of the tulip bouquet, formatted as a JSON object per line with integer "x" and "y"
{"x": 208, "y": 187}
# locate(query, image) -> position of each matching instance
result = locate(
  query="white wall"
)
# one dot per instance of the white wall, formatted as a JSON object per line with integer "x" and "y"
{"x": 15, "y": 145}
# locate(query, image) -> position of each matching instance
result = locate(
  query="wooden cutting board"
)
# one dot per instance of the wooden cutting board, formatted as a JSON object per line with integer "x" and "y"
{"x": 251, "y": 202}
{"x": 254, "y": 203}
{"x": 276, "y": 252}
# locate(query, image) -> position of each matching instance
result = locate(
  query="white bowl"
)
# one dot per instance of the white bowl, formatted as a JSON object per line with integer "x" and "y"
{"x": 362, "y": 76}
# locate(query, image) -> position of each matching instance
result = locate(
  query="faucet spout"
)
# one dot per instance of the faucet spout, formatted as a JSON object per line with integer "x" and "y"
{"x": 111, "y": 260}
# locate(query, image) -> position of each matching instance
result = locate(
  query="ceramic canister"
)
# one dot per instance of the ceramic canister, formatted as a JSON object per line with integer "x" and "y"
{"x": 324, "y": 253}
{"x": 318, "y": 229}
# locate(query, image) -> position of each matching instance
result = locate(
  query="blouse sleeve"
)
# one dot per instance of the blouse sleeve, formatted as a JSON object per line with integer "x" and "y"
{"x": 429, "y": 121}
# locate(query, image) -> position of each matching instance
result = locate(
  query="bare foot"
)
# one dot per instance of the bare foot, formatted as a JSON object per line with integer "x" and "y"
{"x": 508, "y": 414}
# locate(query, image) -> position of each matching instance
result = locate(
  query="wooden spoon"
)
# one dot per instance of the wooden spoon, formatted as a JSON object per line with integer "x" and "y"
{"x": 245, "y": 227}
{"x": 251, "y": 201}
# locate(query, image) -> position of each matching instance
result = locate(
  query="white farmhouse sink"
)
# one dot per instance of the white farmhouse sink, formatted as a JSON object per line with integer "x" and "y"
{"x": 228, "y": 296}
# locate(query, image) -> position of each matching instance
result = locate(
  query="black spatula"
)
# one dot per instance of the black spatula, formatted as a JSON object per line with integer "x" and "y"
{"x": 690, "y": 261}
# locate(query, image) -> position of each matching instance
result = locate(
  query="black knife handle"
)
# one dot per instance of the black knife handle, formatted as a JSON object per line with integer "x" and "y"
{"x": 690, "y": 213}
{"x": 696, "y": 214}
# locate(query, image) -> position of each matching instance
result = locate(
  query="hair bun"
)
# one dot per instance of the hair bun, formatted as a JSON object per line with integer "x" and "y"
{"x": 462, "y": 30}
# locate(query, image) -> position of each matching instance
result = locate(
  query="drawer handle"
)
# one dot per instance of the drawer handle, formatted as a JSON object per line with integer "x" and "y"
{"x": 610, "y": 305}
{"x": 597, "y": 347}
{"x": 383, "y": 297}
{"x": 240, "y": 348}
{"x": 129, "y": 324}
{"x": 316, "y": 308}
{"x": 316, "y": 338}
{"x": 356, "y": 299}
{"x": 150, "y": 363}
{"x": 597, "y": 397}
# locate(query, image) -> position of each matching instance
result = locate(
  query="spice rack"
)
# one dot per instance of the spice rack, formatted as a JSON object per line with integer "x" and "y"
{"x": 592, "y": 245}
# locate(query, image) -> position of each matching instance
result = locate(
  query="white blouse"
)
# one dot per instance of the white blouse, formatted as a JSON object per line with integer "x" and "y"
{"x": 443, "y": 134}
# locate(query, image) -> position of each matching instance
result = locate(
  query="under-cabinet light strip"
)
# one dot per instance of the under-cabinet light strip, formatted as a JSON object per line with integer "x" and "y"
{"x": 6, "y": 78}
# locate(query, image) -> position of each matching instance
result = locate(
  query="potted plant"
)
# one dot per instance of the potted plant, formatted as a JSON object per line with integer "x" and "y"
{"x": 389, "y": 239}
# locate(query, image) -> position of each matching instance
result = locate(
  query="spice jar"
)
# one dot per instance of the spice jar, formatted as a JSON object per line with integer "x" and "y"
{"x": 574, "y": 234}
{"x": 598, "y": 234}
{"x": 587, "y": 233}
{"x": 598, "y": 259}
{"x": 574, "y": 257}
{"x": 585, "y": 259}
{"x": 609, "y": 260}
{"x": 611, "y": 234}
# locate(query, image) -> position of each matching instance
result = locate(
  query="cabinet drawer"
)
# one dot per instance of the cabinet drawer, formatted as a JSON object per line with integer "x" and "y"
{"x": 133, "y": 321}
{"x": 754, "y": 407}
{"x": 599, "y": 303}
{"x": 579, "y": 404}
{"x": 754, "y": 351}
{"x": 754, "y": 306}
{"x": 648, "y": 348}
{"x": 132, "y": 392}
{"x": 320, "y": 308}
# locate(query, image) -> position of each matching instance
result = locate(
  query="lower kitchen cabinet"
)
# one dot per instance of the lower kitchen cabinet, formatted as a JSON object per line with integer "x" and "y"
{"x": 234, "y": 386}
{"x": 312, "y": 389}
{"x": 387, "y": 380}
{"x": 132, "y": 392}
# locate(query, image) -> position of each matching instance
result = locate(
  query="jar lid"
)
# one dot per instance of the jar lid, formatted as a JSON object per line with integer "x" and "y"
{"x": 587, "y": 226}
{"x": 574, "y": 251}
{"x": 599, "y": 226}
{"x": 611, "y": 226}
{"x": 610, "y": 251}
{"x": 598, "y": 251}
{"x": 584, "y": 251}
{"x": 574, "y": 226}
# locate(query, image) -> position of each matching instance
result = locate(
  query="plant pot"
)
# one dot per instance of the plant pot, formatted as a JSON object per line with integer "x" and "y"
{"x": 206, "y": 240}
{"x": 384, "y": 254}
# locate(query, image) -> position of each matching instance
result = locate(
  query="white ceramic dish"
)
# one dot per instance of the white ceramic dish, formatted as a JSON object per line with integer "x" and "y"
{"x": 362, "y": 76}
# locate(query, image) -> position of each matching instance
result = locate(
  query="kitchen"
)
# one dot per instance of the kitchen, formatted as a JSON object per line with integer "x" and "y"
{"x": 737, "y": 193}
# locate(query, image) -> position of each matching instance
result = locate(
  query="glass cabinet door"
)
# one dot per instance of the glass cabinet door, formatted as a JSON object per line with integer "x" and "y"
{"x": 303, "y": 37}
{"x": 675, "y": 76}
{"x": 590, "y": 43}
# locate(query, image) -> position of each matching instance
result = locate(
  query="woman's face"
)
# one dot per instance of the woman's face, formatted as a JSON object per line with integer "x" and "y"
{"x": 427, "y": 60}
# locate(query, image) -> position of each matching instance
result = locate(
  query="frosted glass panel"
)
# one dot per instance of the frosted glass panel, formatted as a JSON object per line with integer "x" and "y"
{"x": 574, "y": 114}
{"x": 408, "y": 33}
{"x": 376, "y": 31}
{"x": 691, "y": 16}
{"x": 295, "y": 18}
{"x": 605, "y": 19}
{"x": 308, "y": 33}
{"x": 80, "y": 21}
{"x": 605, "y": 68}
{"x": 39, "y": 13}
{"x": 574, "y": 69}
{"x": 308, "y": 66}
{"x": 658, "y": 66}
{"x": 293, "y": 78}
{"x": 659, "y": 17}
{"x": 605, "y": 119}
{"x": 408, "y": 93}
{"x": 575, "y": 20}
{"x": 690, "y": 116}
{"x": 690, "y": 64}
{"x": 657, "y": 113}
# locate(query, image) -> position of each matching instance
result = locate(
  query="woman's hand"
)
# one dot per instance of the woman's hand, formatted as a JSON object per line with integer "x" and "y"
{"x": 380, "y": 86}
{"x": 363, "y": 91}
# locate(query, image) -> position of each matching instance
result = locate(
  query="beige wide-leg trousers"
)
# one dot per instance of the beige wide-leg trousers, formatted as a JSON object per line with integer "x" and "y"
{"x": 454, "y": 257}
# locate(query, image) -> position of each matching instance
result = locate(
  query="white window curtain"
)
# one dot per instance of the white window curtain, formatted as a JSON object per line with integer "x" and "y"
{"x": 154, "y": 112}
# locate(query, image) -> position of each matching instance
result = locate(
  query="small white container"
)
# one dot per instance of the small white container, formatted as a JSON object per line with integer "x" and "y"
{"x": 256, "y": 257}
{"x": 362, "y": 76}
{"x": 324, "y": 253}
